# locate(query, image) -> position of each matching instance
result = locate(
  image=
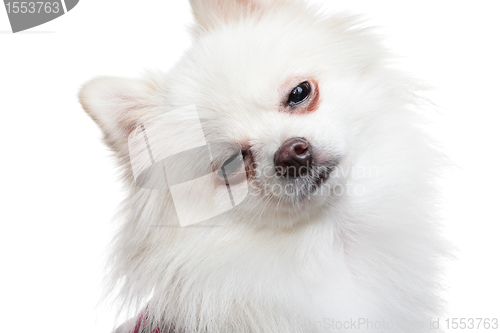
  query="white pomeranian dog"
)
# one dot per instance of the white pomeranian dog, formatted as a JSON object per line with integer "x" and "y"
{"x": 331, "y": 227}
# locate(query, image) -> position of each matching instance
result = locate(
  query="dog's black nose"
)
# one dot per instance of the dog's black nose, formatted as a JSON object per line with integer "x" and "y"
{"x": 293, "y": 159}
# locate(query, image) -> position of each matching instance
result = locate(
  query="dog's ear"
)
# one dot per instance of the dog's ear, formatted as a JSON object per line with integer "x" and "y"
{"x": 211, "y": 13}
{"x": 117, "y": 105}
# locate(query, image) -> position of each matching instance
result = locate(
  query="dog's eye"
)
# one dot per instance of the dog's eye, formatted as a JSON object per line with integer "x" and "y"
{"x": 233, "y": 170}
{"x": 299, "y": 94}
{"x": 232, "y": 164}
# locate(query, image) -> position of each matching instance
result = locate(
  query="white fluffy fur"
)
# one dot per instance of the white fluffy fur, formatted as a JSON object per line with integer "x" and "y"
{"x": 274, "y": 265}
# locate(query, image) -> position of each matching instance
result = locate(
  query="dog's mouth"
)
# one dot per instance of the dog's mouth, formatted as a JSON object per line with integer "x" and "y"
{"x": 318, "y": 177}
{"x": 322, "y": 176}
{"x": 309, "y": 184}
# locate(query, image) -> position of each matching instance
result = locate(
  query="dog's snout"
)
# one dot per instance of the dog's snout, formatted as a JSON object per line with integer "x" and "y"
{"x": 293, "y": 158}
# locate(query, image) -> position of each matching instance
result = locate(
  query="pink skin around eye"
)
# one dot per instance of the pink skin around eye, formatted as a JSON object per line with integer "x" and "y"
{"x": 310, "y": 105}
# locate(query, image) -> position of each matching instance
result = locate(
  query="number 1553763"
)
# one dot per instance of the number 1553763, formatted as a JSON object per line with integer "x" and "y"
{"x": 47, "y": 7}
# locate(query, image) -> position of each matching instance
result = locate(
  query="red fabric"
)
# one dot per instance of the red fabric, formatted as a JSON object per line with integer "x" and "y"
{"x": 140, "y": 324}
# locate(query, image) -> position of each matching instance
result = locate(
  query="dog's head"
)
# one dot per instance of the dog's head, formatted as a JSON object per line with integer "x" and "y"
{"x": 291, "y": 92}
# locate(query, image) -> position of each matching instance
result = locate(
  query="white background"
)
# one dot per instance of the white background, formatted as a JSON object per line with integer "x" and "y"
{"x": 59, "y": 187}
